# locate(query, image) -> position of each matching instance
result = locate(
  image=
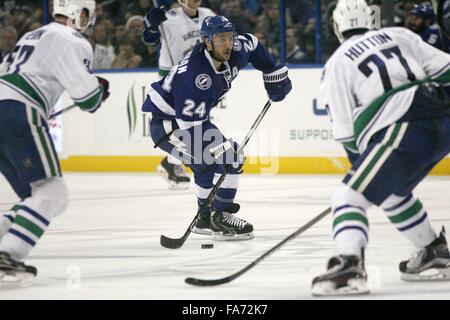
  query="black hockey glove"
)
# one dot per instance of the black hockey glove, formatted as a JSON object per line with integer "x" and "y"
{"x": 227, "y": 154}
{"x": 154, "y": 18}
{"x": 277, "y": 83}
{"x": 105, "y": 84}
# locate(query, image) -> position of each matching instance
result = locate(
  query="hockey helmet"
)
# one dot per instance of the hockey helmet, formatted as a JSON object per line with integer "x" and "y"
{"x": 350, "y": 15}
{"x": 424, "y": 11}
{"x": 213, "y": 25}
{"x": 72, "y": 9}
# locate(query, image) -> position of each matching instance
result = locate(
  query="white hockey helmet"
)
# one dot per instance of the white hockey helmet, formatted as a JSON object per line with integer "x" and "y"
{"x": 72, "y": 9}
{"x": 350, "y": 15}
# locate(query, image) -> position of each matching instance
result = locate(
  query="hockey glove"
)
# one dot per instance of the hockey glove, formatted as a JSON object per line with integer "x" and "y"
{"x": 105, "y": 84}
{"x": 277, "y": 84}
{"x": 154, "y": 18}
{"x": 226, "y": 153}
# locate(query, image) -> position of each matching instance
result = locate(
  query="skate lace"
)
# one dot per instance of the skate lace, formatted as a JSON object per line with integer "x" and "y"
{"x": 234, "y": 221}
{"x": 179, "y": 171}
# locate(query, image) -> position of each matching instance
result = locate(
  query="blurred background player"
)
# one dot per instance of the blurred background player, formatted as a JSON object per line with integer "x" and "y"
{"x": 178, "y": 31}
{"x": 44, "y": 63}
{"x": 180, "y": 105}
{"x": 383, "y": 92}
{"x": 421, "y": 20}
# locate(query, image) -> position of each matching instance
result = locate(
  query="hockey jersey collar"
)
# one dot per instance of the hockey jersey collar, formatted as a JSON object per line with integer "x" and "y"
{"x": 225, "y": 72}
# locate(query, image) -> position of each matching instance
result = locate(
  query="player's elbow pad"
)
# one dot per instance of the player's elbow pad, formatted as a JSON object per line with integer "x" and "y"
{"x": 150, "y": 37}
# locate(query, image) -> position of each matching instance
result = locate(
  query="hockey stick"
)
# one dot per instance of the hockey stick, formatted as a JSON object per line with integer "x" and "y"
{"x": 215, "y": 282}
{"x": 62, "y": 111}
{"x": 177, "y": 243}
{"x": 163, "y": 33}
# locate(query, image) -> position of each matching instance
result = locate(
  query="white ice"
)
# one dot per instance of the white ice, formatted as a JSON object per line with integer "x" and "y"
{"x": 106, "y": 244}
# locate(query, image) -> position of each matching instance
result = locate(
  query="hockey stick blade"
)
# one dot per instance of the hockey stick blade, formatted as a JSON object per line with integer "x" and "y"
{"x": 215, "y": 282}
{"x": 171, "y": 243}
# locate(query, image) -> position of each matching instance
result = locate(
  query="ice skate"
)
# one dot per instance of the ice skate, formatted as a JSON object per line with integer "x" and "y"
{"x": 345, "y": 276}
{"x": 14, "y": 273}
{"x": 203, "y": 225}
{"x": 226, "y": 226}
{"x": 431, "y": 263}
{"x": 174, "y": 175}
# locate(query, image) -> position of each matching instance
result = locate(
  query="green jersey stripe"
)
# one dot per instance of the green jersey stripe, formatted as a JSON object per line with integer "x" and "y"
{"x": 92, "y": 102}
{"x": 377, "y": 156}
{"x": 23, "y": 87}
{"x": 45, "y": 146}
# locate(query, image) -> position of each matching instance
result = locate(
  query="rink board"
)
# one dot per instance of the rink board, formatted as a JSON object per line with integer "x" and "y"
{"x": 294, "y": 137}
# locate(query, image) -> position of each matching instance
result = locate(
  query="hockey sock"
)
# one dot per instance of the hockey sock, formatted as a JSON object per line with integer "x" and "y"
{"x": 410, "y": 218}
{"x": 226, "y": 193}
{"x": 24, "y": 232}
{"x": 49, "y": 198}
{"x": 7, "y": 219}
{"x": 350, "y": 229}
{"x": 350, "y": 223}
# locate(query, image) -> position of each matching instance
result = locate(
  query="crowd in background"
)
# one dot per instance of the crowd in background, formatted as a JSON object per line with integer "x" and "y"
{"x": 116, "y": 37}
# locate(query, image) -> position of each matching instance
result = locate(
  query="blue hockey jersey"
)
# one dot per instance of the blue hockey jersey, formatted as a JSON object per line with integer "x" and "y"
{"x": 194, "y": 86}
{"x": 431, "y": 35}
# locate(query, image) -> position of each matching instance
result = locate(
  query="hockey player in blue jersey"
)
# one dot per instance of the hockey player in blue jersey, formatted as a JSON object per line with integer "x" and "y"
{"x": 384, "y": 93}
{"x": 421, "y": 20}
{"x": 180, "y": 105}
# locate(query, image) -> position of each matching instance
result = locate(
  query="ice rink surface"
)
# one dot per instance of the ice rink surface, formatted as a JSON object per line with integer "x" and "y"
{"x": 106, "y": 244}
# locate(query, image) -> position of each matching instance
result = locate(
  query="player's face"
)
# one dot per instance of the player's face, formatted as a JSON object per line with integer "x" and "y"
{"x": 222, "y": 46}
{"x": 194, "y": 4}
{"x": 415, "y": 23}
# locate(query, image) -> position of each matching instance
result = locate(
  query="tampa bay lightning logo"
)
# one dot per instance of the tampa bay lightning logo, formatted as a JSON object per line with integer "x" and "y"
{"x": 203, "y": 81}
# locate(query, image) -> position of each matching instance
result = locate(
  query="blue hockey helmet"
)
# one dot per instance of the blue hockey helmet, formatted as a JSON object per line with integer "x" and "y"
{"x": 424, "y": 11}
{"x": 215, "y": 24}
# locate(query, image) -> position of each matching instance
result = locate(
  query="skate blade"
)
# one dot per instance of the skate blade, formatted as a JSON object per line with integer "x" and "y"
{"x": 219, "y": 236}
{"x": 433, "y": 274}
{"x": 18, "y": 280}
{"x": 205, "y": 232}
{"x": 327, "y": 288}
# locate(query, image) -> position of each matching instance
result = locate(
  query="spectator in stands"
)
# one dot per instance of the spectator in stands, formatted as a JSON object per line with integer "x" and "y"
{"x": 126, "y": 57}
{"x": 119, "y": 32}
{"x": 103, "y": 50}
{"x": 294, "y": 54}
{"x": 134, "y": 27}
{"x": 234, "y": 10}
{"x": 8, "y": 39}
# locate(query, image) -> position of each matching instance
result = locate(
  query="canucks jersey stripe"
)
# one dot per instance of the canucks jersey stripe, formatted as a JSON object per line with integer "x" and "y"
{"x": 19, "y": 84}
{"x": 367, "y": 117}
{"x": 91, "y": 101}
{"x": 36, "y": 88}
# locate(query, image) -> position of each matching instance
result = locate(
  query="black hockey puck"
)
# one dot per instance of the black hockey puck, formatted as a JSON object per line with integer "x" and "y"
{"x": 207, "y": 246}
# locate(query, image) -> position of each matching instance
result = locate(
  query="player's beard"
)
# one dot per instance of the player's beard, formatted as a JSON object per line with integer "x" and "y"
{"x": 220, "y": 57}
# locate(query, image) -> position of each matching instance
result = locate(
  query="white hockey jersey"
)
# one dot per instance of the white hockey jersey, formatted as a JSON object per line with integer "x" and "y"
{"x": 182, "y": 33}
{"x": 368, "y": 83}
{"x": 44, "y": 63}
